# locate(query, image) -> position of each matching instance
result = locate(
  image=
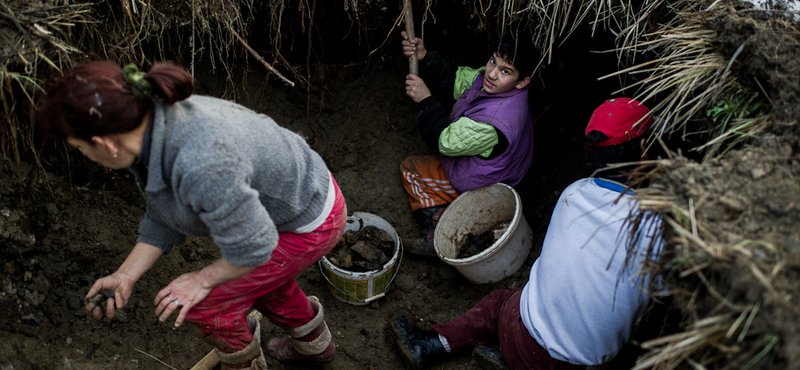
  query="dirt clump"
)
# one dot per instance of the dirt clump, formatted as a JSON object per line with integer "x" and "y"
{"x": 364, "y": 250}
{"x": 474, "y": 244}
{"x": 765, "y": 53}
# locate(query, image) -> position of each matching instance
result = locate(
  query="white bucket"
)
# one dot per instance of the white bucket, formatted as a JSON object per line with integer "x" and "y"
{"x": 476, "y": 212}
{"x": 360, "y": 288}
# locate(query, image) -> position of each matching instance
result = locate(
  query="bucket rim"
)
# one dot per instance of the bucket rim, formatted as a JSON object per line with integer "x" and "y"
{"x": 490, "y": 250}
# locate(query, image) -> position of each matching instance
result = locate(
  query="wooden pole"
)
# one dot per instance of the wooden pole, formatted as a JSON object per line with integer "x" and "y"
{"x": 409, "y": 16}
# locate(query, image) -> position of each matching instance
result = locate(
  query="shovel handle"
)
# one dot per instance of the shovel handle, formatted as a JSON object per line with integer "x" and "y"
{"x": 409, "y": 17}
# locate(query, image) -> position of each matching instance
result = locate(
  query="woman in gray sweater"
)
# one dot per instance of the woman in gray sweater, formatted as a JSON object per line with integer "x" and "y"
{"x": 208, "y": 167}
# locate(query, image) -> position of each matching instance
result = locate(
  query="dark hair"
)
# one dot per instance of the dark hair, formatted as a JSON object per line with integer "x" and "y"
{"x": 601, "y": 156}
{"x": 93, "y": 99}
{"x": 520, "y": 52}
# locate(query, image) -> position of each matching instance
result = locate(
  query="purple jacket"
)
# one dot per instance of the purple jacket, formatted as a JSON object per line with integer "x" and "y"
{"x": 509, "y": 113}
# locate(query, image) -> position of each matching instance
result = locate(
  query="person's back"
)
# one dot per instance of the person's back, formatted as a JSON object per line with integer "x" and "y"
{"x": 582, "y": 300}
{"x": 585, "y": 293}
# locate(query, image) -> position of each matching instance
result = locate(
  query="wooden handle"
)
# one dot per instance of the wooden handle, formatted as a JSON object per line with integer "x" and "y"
{"x": 211, "y": 359}
{"x": 412, "y": 60}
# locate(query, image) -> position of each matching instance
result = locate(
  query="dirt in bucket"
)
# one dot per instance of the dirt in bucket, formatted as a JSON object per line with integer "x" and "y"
{"x": 364, "y": 250}
{"x": 474, "y": 244}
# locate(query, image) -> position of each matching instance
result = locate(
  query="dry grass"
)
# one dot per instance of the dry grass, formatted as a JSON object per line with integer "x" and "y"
{"x": 551, "y": 22}
{"x": 47, "y": 37}
{"x": 667, "y": 49}
{"x": 691, "y": 80}
{"x": 41, "y": 38}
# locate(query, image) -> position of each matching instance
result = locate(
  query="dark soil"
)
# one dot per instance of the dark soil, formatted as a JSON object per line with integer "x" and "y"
{"x": 751, "y": 200}
{"x": 63, "y": 229}
{"x": 766, "y": 60}
{"x": 475, "y": 244}
{"x": 366, "y": 249}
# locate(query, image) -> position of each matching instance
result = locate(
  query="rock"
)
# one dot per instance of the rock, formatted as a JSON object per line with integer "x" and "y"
{"x": 75, "y": 303}
{"x": 30, "y": 319}
{"x": 52, "y": 209}
{"x": 760, "y": 170}
{"x": 6, "y": 365}
{"x": 8, "y": 287}
{"x": 313, "y": 275}
{"x": 370, "y": 253}
{"x": 33, "y": 297}
{"x": 405, "y": 282}
{"x": 793, "y": 245}
{"x": 777, "y": 209}
{"x": 731, "y": 203}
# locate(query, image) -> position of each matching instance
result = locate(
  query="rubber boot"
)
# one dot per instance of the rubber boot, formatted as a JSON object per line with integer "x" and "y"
{"x": 310, "y": 342}
{"x": 427, "y": 219}
{"x": 251, "y": 357}
{"x": 489, "y": 358}
{"x": 417, "y": 346}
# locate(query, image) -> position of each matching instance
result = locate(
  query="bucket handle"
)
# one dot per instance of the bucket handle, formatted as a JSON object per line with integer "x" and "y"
{"x": 369, "y": 299}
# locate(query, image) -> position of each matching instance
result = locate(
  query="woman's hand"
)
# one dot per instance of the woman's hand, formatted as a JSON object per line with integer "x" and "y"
{"x": 116, "y": 289}
{"x": 413, "y": 45}
{"x": 416, "y": 88}
{"x": 180, "y": 295}
{"x": 120, "y": 283}
{"x": 187, "y": 290}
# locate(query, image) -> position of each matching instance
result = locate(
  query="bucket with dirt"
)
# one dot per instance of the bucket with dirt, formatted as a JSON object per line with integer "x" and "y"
{"x": 478, "y": 212}
{"x": 362, "y": 287}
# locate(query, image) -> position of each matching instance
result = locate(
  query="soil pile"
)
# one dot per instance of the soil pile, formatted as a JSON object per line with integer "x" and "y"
{"x": 364, "y": 250}
{"x": 474, "y": 244}
{"x": 732, "y": 255}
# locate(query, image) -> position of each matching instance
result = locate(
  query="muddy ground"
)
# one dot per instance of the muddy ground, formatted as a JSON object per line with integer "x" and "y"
{"x": 78, "y": 221}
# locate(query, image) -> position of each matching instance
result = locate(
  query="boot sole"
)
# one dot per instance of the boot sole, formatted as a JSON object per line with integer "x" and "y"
{"x": 405, "y": 353}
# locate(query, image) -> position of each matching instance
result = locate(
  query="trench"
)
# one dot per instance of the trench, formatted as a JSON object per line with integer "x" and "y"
{"x": 357, "y": 117}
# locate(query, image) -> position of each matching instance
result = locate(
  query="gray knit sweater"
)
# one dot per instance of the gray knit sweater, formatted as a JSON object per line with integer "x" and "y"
{"x": 217, "y": 168}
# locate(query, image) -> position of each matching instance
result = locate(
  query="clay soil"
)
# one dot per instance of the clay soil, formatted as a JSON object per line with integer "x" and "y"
{"x": 78, "y": 222}
{"x": 62, "y": 229}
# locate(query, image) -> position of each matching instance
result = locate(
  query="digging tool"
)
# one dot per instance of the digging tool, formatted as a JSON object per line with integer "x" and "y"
{"x": 412, "y": 60}
{"x": 211, "y": 359}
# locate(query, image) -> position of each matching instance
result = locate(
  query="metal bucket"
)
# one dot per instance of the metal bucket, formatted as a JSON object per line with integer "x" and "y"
{"x": 360, "y": 288}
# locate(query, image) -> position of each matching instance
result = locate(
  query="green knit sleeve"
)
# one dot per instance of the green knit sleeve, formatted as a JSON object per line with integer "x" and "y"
{"x": 465, "y": 76}
{"x": 467, "y": 137}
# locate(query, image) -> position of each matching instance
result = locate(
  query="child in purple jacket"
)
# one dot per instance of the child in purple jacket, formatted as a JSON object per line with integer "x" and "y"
{"x": 487, "y": 137}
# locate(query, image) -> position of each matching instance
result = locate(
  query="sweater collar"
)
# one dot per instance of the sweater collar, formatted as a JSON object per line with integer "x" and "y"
{"x": 144, "y": 155}
{"x": 155, "y": 148}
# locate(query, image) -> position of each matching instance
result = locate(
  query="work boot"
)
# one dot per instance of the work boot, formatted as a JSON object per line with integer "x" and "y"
{"x": 416, "y": 345}
{"x": 310, "y": 342}
{"x": 489, "y": 358}
{"x": 251, "y": 357}
{"x": 427, "y": 219}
